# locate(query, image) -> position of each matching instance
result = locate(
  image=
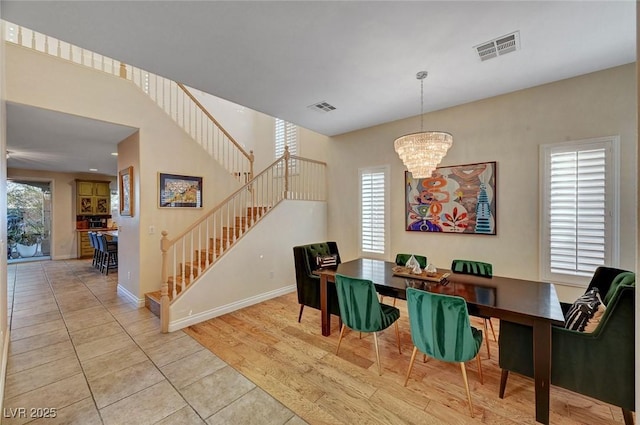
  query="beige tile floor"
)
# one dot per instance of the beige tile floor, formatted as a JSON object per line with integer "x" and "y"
{"x": 81, "y": 350}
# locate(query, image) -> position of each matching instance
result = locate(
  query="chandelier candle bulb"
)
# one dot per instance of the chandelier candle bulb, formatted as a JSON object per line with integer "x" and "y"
{"x": 422, "y": 152}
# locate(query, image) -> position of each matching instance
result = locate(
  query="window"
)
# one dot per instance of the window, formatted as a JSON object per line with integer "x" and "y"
{"x": 285, "y": 134}
{"x": 579, "y": 208}
{"x": 374, "y": 211}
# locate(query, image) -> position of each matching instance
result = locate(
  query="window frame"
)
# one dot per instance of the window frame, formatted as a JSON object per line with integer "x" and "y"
{"x": 611, "y": 145}
{"x": 385, "y": 170}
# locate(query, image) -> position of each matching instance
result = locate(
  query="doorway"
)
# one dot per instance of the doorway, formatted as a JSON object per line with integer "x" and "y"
{"x": 28, "y": 220}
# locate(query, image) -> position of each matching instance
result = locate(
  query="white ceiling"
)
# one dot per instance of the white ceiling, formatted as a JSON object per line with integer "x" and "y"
{"x": 40, "y": 139}
{"x": 359, "y": 56}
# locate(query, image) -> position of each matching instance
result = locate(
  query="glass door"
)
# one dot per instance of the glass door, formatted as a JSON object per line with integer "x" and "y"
{"x": 28, "y": 220}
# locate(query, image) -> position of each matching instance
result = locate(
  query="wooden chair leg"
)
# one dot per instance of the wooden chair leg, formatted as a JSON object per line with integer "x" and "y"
{"x": 466, "y": 385}
{"x": 628, "y": 417}
{"x": 340, "y": 339}
{"x": 413, "y": 357}
{"x": 375, "y": 338}
{"x": 486, "y": 340}
{"x": 424, "y": 358}
{"x": 493, "y": 332}
{"x": 398, "y": 337}
{"x": 503, "y": 382}
{"x": 394, "y": 301}
{"x": 300, "y": 315}
{"x": 480, "y": 369}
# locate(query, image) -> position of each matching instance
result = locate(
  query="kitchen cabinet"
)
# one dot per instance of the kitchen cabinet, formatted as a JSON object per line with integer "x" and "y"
{"x": 93, "y": 198}
{"x": 85, "y": 250}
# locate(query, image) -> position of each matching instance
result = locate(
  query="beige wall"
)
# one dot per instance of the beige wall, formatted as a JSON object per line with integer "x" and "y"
{"x": 163, "y": 146}
{"x": 508, "y": 129}
{"x": 129, "y": 226}
{"x": 63, "y": 208}
{"x": 255, "y": 131}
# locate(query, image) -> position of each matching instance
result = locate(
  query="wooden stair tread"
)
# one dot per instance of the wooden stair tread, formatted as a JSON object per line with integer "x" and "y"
{"x": 155, "y": 295}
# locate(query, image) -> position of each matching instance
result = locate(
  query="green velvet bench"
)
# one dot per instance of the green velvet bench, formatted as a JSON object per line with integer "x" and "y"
{"x": 600, "y": 364}
{"x": 308, "y": 284}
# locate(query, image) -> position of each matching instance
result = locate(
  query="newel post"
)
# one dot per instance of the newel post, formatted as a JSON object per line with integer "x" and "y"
{"x": 286, "y": 171}
{"x": 251, "y": 159}
{"x": 164, "y": 291}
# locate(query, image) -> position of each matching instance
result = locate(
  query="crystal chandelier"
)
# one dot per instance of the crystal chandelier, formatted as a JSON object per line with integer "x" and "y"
{"x": 422, "y": 152}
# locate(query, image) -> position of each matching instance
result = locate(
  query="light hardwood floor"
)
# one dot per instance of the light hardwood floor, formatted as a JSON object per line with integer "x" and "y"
{"x": 297, "y": 365}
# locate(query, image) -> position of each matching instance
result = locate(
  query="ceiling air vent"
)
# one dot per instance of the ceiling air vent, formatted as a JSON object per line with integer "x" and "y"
{"x": 500, "y": 46}
{"x": 322, "y": 107}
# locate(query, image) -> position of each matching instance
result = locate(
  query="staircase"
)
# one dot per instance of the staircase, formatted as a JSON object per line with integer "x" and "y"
{"x": 172, "y": 97}
{"x": 204, "y": 258}
{"x": 188, "y": 256}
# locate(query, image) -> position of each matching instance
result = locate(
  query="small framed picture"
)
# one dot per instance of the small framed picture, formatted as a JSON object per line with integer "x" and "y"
{"x": 126, "y": 192}
{"x": 176, "y": 191}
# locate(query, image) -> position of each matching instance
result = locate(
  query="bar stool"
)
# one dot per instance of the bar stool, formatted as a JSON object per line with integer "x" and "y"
{"x": 109, "y": 254}
{"x": 96, "y": 249}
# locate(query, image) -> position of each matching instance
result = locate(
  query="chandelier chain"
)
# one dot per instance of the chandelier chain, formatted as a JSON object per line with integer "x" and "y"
{"x": 421, "y": 104}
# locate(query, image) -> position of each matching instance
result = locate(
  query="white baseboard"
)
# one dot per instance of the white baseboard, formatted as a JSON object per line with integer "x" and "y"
{"x": 3, "y": 365}
{"x": 125, "y": 292}
{"x": 219, "y": 311}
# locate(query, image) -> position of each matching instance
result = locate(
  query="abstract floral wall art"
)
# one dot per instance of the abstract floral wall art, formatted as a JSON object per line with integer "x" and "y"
{"x": 457, "y": 199}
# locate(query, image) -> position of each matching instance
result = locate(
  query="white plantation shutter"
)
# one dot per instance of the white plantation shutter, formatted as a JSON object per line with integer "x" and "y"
{"x": 373, "y": 211}
{"x": 285, "y": 134}
{"x": 580, "y": 195}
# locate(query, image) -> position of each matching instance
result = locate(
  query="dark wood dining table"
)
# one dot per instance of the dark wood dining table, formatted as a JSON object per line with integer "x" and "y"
{"x": 522, "y": 301}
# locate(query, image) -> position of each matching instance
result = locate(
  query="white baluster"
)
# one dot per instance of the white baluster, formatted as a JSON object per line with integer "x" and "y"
{"x": 215, "y": 240}
{"x": 175, "y": 275}
{"x": 191, "y": 261}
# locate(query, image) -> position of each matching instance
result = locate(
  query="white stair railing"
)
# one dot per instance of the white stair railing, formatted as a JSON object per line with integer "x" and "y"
{"x": 202, "y": 244}
{"x": 174, "y": 98}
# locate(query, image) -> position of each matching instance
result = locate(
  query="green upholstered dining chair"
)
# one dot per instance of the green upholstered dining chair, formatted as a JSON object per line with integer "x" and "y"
{"x": 440, "y": 328}
{"x": 600, "y": 364}
{"x": 308, "y": 283}
{"x": 477, "y": 268}
{"x": 361, "y": 311}
{"x": 401, "y": 259}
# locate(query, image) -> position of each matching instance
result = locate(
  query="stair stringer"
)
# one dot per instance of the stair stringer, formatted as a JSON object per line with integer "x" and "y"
{"x": 256, "y": 268}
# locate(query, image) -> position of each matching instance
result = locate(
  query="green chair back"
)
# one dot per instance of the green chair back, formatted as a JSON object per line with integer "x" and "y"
{"x": 360, "y": 309}
{"x": 401, "y": 259}
{"x": 476, "y": 268}
{"x": 440, "y": 326}
{"x": 624, "y": 278}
